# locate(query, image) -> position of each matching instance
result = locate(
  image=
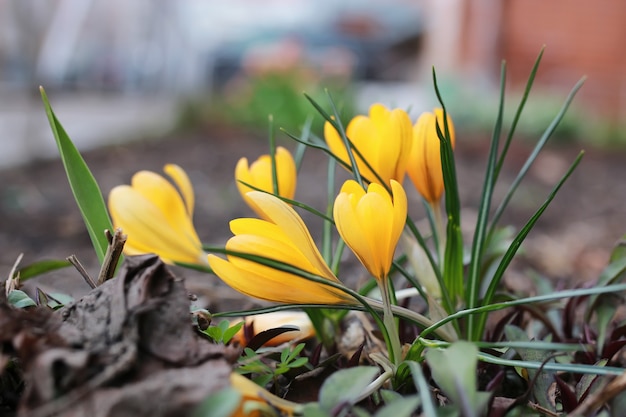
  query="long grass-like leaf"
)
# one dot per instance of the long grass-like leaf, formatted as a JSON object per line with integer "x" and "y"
{"x": 581, "y": 292}
{"x": 272, "y": 141}
{"x": 327, "y": 230}
{"x": 512, "y": 250}
{"x": 369, "y": 305}
{"x": 518, "y": 114}
{"x": 446, "y": 300}
{"x": 531, "y": 158}
{"x": 552, "y": 366}
{"x": 41, "y": 267}
{"x": 428, "y": 406}
{"x": 474, "y": 277}
{"x": 83, "y": 184}
{"x": 453, "y": 257}
{"x": 534, "y": 344}
{"x": 293, "y": 203}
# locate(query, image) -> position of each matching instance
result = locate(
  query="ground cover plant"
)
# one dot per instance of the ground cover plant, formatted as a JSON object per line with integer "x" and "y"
{"x": 431, "y": 332}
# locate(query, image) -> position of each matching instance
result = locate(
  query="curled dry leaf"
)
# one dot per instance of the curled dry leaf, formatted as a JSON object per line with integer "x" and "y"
{"x": 126, "y": 341}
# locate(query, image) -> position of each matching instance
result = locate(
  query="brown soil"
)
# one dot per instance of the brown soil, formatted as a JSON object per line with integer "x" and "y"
{"x": 572, "y": 242}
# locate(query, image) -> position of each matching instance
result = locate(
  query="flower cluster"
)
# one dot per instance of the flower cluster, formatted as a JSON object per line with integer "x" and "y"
{"x": 273, "y": 256}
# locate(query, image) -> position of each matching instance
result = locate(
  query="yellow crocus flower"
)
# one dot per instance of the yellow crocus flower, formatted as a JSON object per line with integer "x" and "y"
{"x": 371, "y": 223}
{"x": 264, "y": 402}
{"x": 424, "y": 166}
{"x": 262, "y": 322}
{"x": 157, "y": 216}
{"x": 280, "y": 235}
{"x": 383, "y": 138}
{"x": 259, "y": 174}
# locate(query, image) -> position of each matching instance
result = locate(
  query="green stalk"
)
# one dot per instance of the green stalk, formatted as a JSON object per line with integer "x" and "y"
{"x": 272, "y": 140}
{"x": 393, "y": 347}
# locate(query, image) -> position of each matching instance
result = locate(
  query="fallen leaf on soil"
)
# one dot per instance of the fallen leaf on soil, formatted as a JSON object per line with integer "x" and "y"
{"x": 125, "y": 349}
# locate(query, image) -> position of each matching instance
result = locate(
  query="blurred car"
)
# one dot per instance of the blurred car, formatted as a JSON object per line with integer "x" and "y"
{"x": 365, "y": 41}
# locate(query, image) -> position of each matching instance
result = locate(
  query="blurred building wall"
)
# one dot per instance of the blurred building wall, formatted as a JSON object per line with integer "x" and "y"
{"x": 581, "y": 37}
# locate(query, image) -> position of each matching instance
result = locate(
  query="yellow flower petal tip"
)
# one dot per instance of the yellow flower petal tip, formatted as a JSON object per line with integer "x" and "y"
{"x": 371, "y": 223}
{"x": 156, "y": 215}
{"x": 383, "y": 139}
{"x": 260, "y": 175}
{"x": 424, "y": 168}
{"x": 261, "y": 322}
{"x": 260, "y": 397}
{"x": 282, "y": 237}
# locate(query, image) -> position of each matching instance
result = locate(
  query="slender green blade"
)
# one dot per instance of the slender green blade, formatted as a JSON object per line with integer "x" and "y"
{"x": 518, "y": 114}
{"x": 428, "y": 405}
{"x": 453, "y": 257}
{"x": 480, "y": 231}
{"x": 83, "y": 184}
{"x": 513, "y": 248}
{"x": 522, "y": 301}
{"x": 41, "y": 267}
{"x": 531, "y": 158}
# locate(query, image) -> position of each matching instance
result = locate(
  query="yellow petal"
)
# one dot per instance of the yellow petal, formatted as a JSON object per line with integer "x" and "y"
{"x": 335, "y": 143}
{"x": 286, "y": 173}
{"x": 351, "y": 230}
{"x": 283, "y": 216}
{"x": 262, "y": 322}
{"x": 366, "y": 139}
{"x": 272, "y": 249}
{"x": 269, "y": 284}
{"x": 400, "y": 208}
{"x": 371, "y": 223}
{"x": 259, "y": 175}
{"x": 180, "y": 178}
{"x": 373, "y": 213}
{"x": 148, "y": 228}
{"x": 252, "y": 392}
{"x": 166, "y": 198}
{"x": 425, "y": 169}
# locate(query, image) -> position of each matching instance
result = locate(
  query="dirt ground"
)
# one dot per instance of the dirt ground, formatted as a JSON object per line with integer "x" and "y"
{"x": 572, "y": 242}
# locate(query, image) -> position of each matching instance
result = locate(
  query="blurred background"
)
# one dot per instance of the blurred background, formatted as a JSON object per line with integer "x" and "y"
{"x": 203, "y": 75}
{"x": 117, "y": 69}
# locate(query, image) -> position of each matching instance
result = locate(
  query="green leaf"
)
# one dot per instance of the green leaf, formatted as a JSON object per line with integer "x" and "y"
{"x": 453, "y": 257}
{"x": 41, "y": 267}
{"x": 531, "y": 158}
{"x": 474, "y": 278}
{"x": 19, "y": 299}
{"x": 314, "y": 410}
{"x": 401, "y": 407}
{"x": 298, "y": 362}
{"x": 518, "y": 114}
{"x": 345, "y": 386}
{"x": 619, "y": 252}
{"x": 542, "y": 379}
{"x": 454, "y": 370}
{"x": 588, "y": 384}
{"x": 231, "y": 332}
{"x": 428, "y": 406}
{"x": 220, "y": 404}
{"x": 517, "y": 242}
{"x": 83, "y": 184}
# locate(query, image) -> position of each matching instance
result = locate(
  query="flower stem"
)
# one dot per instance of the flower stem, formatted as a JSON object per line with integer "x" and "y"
{"x": 395, "y": 350}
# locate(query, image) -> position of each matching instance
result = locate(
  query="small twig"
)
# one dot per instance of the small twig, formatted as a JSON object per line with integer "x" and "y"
{"x": 112, "y": 255}
{"x": 600, "y": 397}
{"x": 81, "y": 269}
{"x": 13, "y": 283}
